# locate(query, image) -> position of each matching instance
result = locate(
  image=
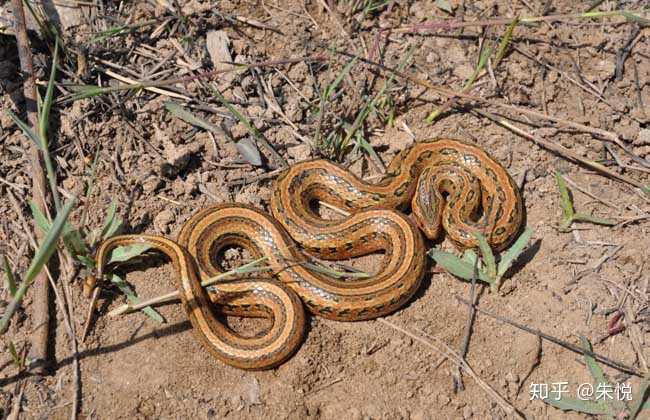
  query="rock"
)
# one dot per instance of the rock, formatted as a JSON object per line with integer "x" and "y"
{"x": 299, "y": 72}
{"x": 61, "y": 15}
{"x": 68, "y": 184}
{"x": 300, "y": 152}
{"x": 293, "y": 110}
{"x": 253, "y": 392}
{"x": 177, "y": 156}
{"x": 419, "y": 415}
{"x": 238, "y": 130}
{"x": 217, "y": 45}
{"x": 467, "y": 412}
{"x": 162, "y": 221}
{"x": 151, "y": 183}
{"x": 643, "y": 138}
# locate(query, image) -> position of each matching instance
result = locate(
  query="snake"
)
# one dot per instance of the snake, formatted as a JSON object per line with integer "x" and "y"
{"x": 450, "y": 186}
{"x": 247, "y": 298}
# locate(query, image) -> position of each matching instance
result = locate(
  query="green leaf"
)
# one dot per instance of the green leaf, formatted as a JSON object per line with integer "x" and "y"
{"x": 514, "y": 251}
{"x": 457, "y": 266}
{"x": 594, "y": 368}
{"x": 43, "y": 254}
{"x": 87, "y": 261}
{"x": 73, "y": 241}
{"x": 28, "y": 131}
{"x": 133, "y": 298}
{"x": 10, "y": 280}
{"x": 572, "y": 404}
{"x": 177, "y": 110}
{"x": 125, "y": 253}
{"x": 71, "y": 237}
{"x": 488, "y": 256}
{"x": 471, "y": 257}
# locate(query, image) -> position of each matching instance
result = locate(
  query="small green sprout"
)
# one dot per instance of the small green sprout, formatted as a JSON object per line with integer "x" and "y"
{"x": 609, "y": 407}
{"x": 488, "y": 270}
{"x": 570, "y": 214}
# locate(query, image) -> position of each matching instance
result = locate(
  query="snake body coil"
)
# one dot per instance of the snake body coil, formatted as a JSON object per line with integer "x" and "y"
{"x": 450, "y": 185}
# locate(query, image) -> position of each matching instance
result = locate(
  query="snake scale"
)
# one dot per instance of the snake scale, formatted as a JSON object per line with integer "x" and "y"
{"x": 450, "y": 186}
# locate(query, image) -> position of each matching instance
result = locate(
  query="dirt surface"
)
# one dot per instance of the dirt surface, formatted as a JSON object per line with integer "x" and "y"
{"x": 159, "y": 170}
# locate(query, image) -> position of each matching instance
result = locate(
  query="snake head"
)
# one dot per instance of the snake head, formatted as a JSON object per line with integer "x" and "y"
{"x": 89, "y": 286}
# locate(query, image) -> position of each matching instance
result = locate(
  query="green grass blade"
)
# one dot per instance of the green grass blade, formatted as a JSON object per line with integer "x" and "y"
{"x": 43, "y": 126}
{"x": 482, "y": 62}
{"x": 251, "y": 128}
{"x": 110, "y": 225}
{"x": 361, "y": 116}
{"x": 86, "y": 261}
{"x": 565, "y": 200}
{"x": 10, "y": 280}
{"x": 43, "y": 254}
{"x": 581, "y": 217}
{"x": 486, "y": 253}
{"x": 505, "y": 42}
{"x": 44, "y": 115}
{"x": 48, "y": 246}
{"x": 457, "y": 266}
{"x": 641, "y": 396}
{"x": 73, "y": 241}
{"x": 71, "y": 237}
{"x": 124, "y": 253}
{"x": 640, "y": 20}
{"x": 335, "y": 273}
{"x": 91, "y": 91}
{"x": 40, "y": 219}
{"x": 177, "y": 110}
{"x": 14, "y": 354}
{"x": 514, "y": 251}
{"x": 28, "y": 131}
{"x": 133, "y": 298}
{"x": 572, "y": 404}
{"x": 594, "y": 368}
{"x": 331, "y": 88}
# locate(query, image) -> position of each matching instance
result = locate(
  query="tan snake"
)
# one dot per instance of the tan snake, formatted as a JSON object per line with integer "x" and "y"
{"x": 450, "y": 185}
